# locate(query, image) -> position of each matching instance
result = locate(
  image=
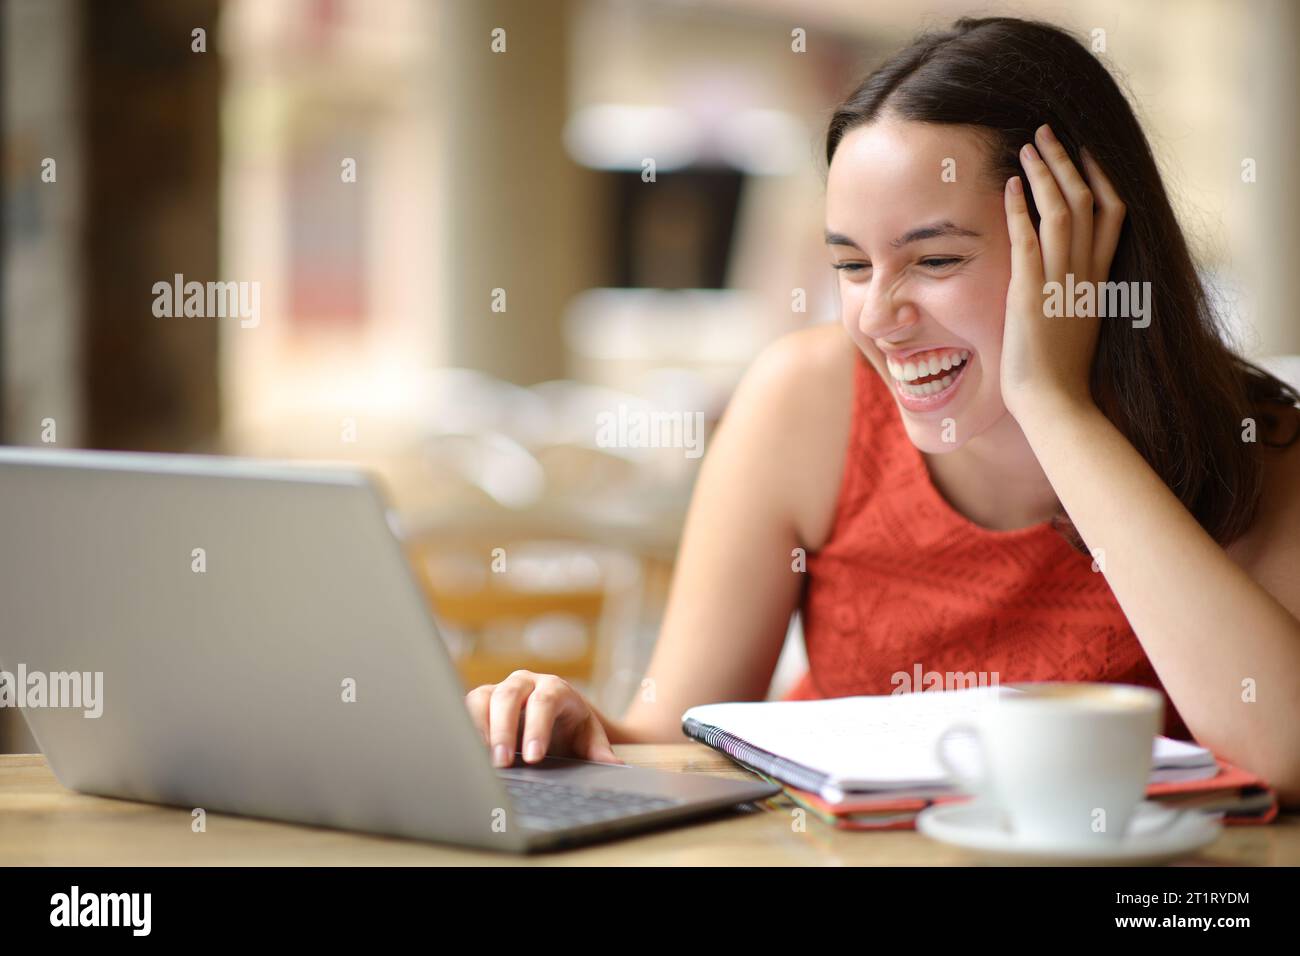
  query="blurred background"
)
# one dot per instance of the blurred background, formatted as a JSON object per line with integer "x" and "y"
{"x": 464, "y": 261}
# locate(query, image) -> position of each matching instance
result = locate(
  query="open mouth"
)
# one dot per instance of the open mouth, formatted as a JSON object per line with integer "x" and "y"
{"x": 928, "y": 374}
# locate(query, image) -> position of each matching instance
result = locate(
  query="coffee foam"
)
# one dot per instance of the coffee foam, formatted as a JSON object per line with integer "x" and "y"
{"x": 1111, "y": 697}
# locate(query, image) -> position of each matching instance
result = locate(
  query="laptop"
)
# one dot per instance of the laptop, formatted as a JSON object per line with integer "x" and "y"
{"x": 255, "y": 642}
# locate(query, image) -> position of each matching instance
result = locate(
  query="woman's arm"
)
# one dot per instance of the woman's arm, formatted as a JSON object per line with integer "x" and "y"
{"x": 767, "y": 486}
{"x": 1224, "y": 640}
{"x": 1210, "y": 629}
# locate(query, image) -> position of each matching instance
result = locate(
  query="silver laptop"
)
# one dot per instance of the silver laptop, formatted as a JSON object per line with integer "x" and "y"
{"x": 248, "y": 637}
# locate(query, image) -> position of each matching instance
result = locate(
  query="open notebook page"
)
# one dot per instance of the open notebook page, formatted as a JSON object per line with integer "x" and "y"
{"x": 884, "y": 742}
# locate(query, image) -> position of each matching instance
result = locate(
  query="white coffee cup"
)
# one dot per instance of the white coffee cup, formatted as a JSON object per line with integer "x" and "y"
{"x": 1066, "y": 763}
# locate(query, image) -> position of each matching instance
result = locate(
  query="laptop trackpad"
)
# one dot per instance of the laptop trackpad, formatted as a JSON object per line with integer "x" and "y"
{"x": 585, "y": 773}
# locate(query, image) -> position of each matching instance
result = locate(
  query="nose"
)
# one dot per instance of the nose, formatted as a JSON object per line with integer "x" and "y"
{"x": 886, "y": 313}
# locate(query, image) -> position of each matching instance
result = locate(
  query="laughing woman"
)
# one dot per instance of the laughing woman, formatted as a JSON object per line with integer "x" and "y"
{"x": 979, "y": 483}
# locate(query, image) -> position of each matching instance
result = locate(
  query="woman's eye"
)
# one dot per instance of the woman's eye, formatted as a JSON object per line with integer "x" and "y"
{"x": 939, "y": 263}
{"x": 850, "y": 266}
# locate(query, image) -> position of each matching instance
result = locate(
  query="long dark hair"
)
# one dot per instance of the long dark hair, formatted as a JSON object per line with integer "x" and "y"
{"x": 1175, "y": 389}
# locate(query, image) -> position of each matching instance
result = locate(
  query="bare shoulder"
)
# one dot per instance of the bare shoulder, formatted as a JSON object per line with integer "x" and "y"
{"x": 794, "y": 364}
{"x": 1270, "y": 549}
{"x": 800, "y": 388}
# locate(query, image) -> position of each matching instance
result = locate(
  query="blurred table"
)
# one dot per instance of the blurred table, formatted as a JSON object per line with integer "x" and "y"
{"x": 41, "y": 823}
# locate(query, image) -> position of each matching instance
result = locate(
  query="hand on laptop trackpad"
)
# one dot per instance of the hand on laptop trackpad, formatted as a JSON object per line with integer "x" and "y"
{"x": 558, "y": 768}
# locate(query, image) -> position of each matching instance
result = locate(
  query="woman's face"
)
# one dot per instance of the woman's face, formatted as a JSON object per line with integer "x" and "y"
{"x": 918, "y": 235}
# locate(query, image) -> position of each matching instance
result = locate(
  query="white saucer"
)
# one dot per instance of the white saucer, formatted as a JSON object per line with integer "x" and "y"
{"x": 1156, "y": 834}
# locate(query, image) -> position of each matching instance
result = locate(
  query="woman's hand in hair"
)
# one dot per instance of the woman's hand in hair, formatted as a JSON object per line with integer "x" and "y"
{"x": 1047, "y": 348}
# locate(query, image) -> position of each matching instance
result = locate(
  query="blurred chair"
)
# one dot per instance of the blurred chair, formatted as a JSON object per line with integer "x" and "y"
{"x": 495, "y": 464}
{"x": 503, "y": 605}
{"x": 469, "y": 402}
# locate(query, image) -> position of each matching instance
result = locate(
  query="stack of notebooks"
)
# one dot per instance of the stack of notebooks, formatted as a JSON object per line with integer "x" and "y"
{"x": 867, "y": 763}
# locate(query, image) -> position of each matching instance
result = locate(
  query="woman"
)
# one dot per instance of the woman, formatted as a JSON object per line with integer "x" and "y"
{"x": 982, "y": 485}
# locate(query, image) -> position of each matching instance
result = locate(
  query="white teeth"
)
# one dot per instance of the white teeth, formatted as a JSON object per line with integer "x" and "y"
{"x": 933, "y": 365}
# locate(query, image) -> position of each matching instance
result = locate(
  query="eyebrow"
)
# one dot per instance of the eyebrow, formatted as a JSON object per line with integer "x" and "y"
{"x": 934, "y": 230}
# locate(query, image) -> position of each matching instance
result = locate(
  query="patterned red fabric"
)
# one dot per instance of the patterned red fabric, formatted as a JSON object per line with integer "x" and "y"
{"x": 906, "y": 583}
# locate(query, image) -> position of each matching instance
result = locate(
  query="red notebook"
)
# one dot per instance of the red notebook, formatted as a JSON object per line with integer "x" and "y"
{"x": 1243, "y": 798}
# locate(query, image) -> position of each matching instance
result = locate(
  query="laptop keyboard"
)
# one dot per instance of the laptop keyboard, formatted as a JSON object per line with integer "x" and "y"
{"x": 541, "y": 805}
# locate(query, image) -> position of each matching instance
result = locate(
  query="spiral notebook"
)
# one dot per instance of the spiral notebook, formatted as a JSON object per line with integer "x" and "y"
{"x": 848, "y": 746}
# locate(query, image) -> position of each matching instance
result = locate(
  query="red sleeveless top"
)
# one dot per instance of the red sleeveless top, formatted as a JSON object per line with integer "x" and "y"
{"x": 907, "y": 585}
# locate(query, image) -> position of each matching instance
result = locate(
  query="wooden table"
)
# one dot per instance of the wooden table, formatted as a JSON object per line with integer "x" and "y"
{"x": 41, "y": 823}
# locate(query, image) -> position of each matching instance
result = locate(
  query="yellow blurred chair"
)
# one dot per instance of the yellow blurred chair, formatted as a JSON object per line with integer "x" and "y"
{"x": 531, "y": 605}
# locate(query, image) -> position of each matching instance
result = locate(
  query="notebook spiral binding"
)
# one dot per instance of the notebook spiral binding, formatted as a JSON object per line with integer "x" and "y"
{"x": 787, "y": 771}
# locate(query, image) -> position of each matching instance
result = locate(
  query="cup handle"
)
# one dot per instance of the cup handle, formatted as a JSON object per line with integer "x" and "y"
{"x": 974, "y": 785}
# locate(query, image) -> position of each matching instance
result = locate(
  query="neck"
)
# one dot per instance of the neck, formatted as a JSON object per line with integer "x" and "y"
{"x": 995, "y": 479}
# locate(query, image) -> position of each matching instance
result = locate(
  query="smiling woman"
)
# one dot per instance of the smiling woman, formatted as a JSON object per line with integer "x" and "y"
{"x": 917, "y": 231}
{"x": 978, "y": 485}
{"x": 982, "y": 90}
{"x": 941, "y": 135}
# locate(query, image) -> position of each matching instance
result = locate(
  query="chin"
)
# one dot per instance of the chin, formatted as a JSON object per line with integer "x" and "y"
{"x": 931, "y": 437}
{"x": 940, "y": 416}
